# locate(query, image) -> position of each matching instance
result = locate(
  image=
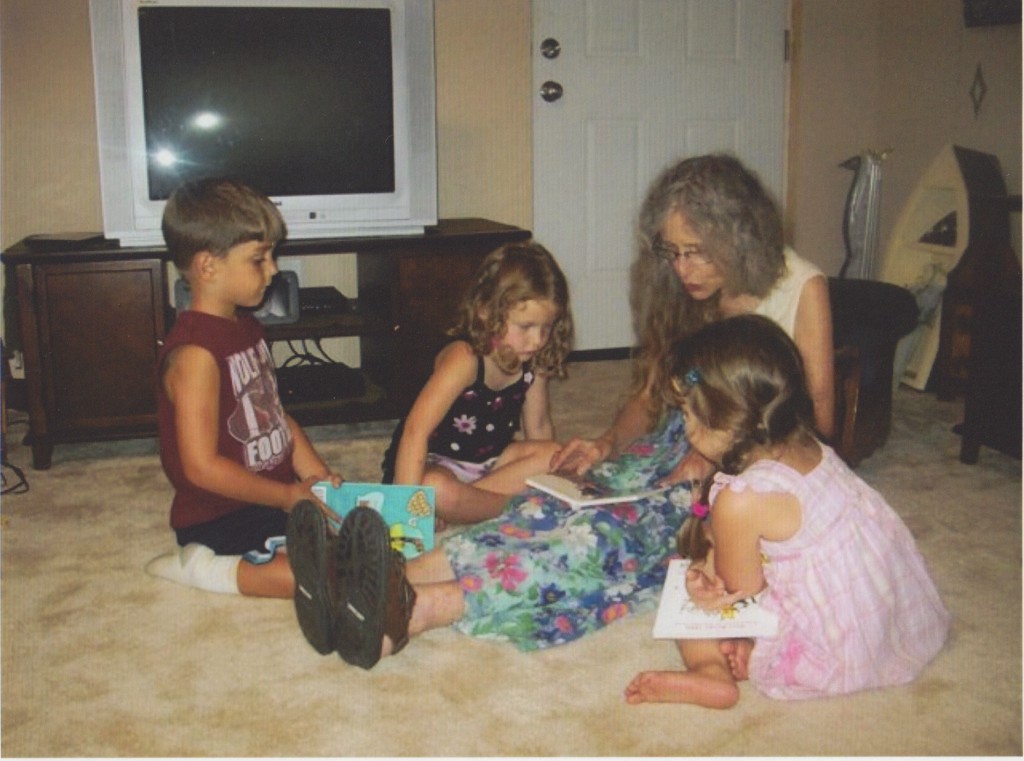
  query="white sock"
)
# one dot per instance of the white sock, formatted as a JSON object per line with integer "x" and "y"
{"x": 196, "y": 565}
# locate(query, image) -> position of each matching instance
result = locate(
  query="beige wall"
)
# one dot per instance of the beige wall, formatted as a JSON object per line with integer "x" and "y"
{"x": 484, "y": 118}
{"x": 876, "y": 74}
{"x": 835, "y": 116}
{"x": 50, "y": 171}
{"x": 869, "y": 74}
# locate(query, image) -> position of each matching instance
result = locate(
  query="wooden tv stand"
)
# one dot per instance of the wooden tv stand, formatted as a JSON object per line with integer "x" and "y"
{"x": 94, "y": 315}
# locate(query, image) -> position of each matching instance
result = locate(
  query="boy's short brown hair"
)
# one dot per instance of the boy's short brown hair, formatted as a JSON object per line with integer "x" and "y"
{"x": 215, "y": 214}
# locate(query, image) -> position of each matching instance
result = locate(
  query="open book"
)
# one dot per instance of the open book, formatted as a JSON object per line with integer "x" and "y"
{"x": 408, "y": 510}
{"x": 679, "y": 617}
{"x": 579, "y": 491}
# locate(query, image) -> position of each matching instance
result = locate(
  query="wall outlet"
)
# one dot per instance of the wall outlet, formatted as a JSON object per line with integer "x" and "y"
{"x": 16, "y": 364}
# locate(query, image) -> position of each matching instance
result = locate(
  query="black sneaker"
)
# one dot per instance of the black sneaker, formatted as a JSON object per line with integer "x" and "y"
{"x": 310, "y": 551}
{"x": 365, "y": 563}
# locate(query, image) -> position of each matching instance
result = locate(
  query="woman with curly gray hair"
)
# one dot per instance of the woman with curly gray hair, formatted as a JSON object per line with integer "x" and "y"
{"x": 710, "y": 246}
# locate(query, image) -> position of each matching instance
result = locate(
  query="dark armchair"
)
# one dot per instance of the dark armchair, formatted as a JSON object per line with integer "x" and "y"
{"x": 869, "y": 318}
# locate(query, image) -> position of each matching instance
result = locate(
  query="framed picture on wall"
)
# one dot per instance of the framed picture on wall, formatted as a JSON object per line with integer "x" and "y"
{"x": 991, "y": 12}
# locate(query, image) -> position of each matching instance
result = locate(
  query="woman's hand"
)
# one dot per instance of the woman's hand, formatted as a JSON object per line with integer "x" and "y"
{"x": 580, "y": 455}
{"x": 693, "y": 467}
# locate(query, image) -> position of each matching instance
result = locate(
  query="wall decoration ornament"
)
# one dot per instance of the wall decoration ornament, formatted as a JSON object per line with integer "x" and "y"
{"x": 978, "y": 90}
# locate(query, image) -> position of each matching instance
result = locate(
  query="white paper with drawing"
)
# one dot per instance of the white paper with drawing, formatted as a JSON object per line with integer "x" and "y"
{"x": 679, "y": 617}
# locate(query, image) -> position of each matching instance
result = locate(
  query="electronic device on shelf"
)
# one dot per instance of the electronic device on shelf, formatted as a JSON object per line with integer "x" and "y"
{"x": 63, "y": 241}
{"x": 322, "y": 299}
{"x": 319, "y": 382}
{"x": 280, "y": 305}
{"x": 327, "y": 106}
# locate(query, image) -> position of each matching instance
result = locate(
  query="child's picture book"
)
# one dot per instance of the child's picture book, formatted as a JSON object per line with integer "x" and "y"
{"x": 579, "y": 491}
{"x": 408, "y": 510}
{"x": 679, "y": 617}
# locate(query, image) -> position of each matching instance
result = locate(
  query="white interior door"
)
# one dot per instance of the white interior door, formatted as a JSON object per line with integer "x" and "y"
{"x": 643, "y": 82}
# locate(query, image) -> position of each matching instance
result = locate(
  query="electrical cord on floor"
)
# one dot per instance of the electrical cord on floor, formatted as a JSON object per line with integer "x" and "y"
{"x": 16, "y": 483}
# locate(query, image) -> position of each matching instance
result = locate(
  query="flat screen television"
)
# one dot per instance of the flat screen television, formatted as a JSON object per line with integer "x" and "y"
{"x": 327, "y": 106}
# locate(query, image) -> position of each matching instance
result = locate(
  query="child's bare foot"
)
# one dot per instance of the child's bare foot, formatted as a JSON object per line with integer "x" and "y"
{"x": 681, "y": 687}
{"x": 737, "y": 653}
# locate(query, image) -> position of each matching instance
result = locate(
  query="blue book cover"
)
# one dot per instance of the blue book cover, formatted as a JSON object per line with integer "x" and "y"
{"x": 408, "y": 510}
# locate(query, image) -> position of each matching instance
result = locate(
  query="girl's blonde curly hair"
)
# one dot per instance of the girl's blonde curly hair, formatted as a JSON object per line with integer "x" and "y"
{"x": 510, "y": 275}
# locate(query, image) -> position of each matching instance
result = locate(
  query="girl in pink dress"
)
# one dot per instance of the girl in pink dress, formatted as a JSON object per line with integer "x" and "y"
{"x": 788, "y": 519}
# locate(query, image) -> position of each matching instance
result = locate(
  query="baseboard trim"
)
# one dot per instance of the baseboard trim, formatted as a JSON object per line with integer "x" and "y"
{"x": 599, "y": 355}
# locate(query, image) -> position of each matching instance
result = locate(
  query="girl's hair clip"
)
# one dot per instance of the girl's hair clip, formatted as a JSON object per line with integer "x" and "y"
{"x": 692, "y": 377}
{"x": 700, "y": 510}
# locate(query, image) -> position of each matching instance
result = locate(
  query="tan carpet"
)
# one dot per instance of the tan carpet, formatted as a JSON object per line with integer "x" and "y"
{"x": 101, "y": 660}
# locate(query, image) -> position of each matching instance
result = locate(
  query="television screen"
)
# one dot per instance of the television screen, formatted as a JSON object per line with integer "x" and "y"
{"x": 327, "y": 106}
{"x": 293, "y": 101}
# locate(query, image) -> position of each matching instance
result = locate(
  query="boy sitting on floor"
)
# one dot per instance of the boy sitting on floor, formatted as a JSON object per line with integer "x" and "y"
{"x": 237, "y": 461}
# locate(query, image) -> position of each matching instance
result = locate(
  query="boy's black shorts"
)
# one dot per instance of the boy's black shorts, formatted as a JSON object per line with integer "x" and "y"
{"x": 239, "y": 532}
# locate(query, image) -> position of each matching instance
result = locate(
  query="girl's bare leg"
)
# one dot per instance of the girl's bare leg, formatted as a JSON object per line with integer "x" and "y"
{"x": 428, "y": 568}
{"x": 706, "y": 682}
{"x": 519, "y": 461}
{"x": 459, "y": 502}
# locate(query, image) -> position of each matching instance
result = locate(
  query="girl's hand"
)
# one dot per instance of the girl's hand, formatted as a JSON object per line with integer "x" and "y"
{"x": 580, "y": 455}
{"x": 693, "y": 467}
{"x": 707, "y": 593}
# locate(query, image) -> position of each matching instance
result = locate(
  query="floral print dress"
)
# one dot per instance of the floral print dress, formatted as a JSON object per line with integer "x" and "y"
{"x": 543, "y": 574}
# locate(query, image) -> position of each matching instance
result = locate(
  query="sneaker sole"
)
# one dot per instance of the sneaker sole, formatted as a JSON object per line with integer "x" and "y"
{"x": 307, "y": 554}
{"x": 363, "y": 554}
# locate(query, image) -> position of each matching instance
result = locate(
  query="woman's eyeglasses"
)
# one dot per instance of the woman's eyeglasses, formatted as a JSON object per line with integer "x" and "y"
{"x": 690, "y": 253}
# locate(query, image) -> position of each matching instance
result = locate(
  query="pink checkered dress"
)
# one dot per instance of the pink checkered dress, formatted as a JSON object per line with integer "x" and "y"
{"x": 856, "y": 606}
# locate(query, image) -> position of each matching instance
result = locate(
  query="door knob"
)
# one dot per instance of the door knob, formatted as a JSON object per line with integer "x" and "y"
{"x": 551, "y": 91}
{"x": 550, "y": 48}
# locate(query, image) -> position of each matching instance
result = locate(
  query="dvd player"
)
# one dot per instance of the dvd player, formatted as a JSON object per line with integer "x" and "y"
{"x": 322, "y": 300}
{"x": 321, "y": 382}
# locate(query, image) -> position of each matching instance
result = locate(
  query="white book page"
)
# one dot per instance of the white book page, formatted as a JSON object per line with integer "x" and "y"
{"x": 679, "y": 617}
{"x": 578, "y": 492}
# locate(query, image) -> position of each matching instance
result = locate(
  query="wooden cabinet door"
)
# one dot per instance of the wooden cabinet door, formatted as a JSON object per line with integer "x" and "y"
{"x": 432, "y": 285}
{"x": 418, "y": 291}
{"x": 100, "y": 325}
